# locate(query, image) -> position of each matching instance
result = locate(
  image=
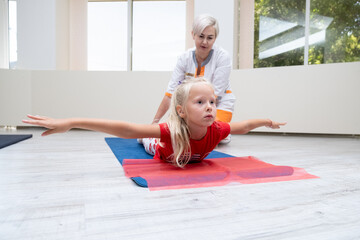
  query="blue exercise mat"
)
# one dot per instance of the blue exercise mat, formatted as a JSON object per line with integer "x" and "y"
{"x": 131, "y": 149}
{"x": 9, "y": 139}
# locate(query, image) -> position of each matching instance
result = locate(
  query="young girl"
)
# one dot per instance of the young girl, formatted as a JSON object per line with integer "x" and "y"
{"x": 190, "y": 133}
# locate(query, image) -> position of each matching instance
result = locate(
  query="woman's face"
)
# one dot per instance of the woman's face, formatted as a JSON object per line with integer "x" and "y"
{"x": 205, "y": 41}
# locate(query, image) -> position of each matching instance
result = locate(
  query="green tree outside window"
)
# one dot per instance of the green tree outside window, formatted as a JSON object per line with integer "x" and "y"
{"x": 280, "y": 32}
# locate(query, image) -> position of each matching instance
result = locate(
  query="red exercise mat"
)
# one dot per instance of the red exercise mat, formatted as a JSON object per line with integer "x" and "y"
{"x": 210, "y": 172}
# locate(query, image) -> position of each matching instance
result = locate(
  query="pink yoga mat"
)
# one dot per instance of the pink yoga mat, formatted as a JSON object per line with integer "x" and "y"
{"x": 210, "y": 172}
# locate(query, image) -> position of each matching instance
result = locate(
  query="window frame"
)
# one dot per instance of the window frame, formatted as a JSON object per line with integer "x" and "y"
{"x": 4, "y": 35}
{"x": 9, "y": 37}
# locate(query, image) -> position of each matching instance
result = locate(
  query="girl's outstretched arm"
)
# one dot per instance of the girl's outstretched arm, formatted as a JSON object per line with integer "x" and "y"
{"x": 116, "y": 128}
{"x": 248, "y": 125}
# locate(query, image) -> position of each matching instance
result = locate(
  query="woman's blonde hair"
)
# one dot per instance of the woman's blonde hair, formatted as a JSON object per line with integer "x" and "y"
{"x": 203, "y": 21}
{"x": 179, "y": 131}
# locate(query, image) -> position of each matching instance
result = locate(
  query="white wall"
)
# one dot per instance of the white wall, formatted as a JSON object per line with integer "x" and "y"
{"x": 312, "y": 99}
{"x": 15, "y": 96}
{"x": 114, "y": 95}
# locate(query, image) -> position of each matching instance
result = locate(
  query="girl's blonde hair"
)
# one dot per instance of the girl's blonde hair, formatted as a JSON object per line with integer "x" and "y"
{"x": 179, "y": 131}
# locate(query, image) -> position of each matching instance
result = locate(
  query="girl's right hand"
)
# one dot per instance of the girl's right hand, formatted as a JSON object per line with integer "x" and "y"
{"x": 53, "y": 125}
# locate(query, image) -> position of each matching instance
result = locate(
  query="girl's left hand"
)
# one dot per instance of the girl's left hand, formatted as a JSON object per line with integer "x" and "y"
{"x": 275, "y": 125}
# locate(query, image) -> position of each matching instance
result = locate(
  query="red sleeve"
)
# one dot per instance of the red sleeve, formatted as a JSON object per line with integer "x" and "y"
{"x": 224, "y": 129}
{"x": 164, "y": 133}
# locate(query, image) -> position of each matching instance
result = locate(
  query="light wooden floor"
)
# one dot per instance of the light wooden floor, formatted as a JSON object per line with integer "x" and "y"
{"x": 71, "y": 186}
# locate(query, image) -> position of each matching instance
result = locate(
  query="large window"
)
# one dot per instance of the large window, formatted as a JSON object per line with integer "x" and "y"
{"x": 279, "y": 33}
{"x": 336, "y": 31}
{"x": 282, "y": 38}
{"x": 158, "y": 35}
{"x": 107, "y": 35}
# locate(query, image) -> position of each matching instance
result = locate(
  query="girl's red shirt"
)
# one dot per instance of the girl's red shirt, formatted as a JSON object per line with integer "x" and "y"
{"x": 199, "y": 148}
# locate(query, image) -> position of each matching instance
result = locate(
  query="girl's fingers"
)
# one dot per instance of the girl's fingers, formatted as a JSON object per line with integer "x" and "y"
{"x": 30, "y": 121}
{"x": 26, "y": 121}
{"x": 276, "y": 125}
{"x": 37, "y": 117}
{"x": 40, "y": 123}
{"x": 47, "y": 132}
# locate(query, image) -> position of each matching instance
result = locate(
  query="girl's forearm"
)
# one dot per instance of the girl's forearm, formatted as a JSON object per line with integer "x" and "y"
{"x": 248, "y": 125}
{"x": 117, "y": 128}
{"x": 256, "y": 123}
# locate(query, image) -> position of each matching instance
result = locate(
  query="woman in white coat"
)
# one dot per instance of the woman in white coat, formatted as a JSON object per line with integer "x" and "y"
{"x": 206, "y": 60}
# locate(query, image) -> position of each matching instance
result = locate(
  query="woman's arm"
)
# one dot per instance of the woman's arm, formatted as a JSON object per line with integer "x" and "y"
{"x": 164, "y": 106}
{"x": 116, "y": 128}
{"x": 177, "y": 77}
{"x": 248, "y": 125}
